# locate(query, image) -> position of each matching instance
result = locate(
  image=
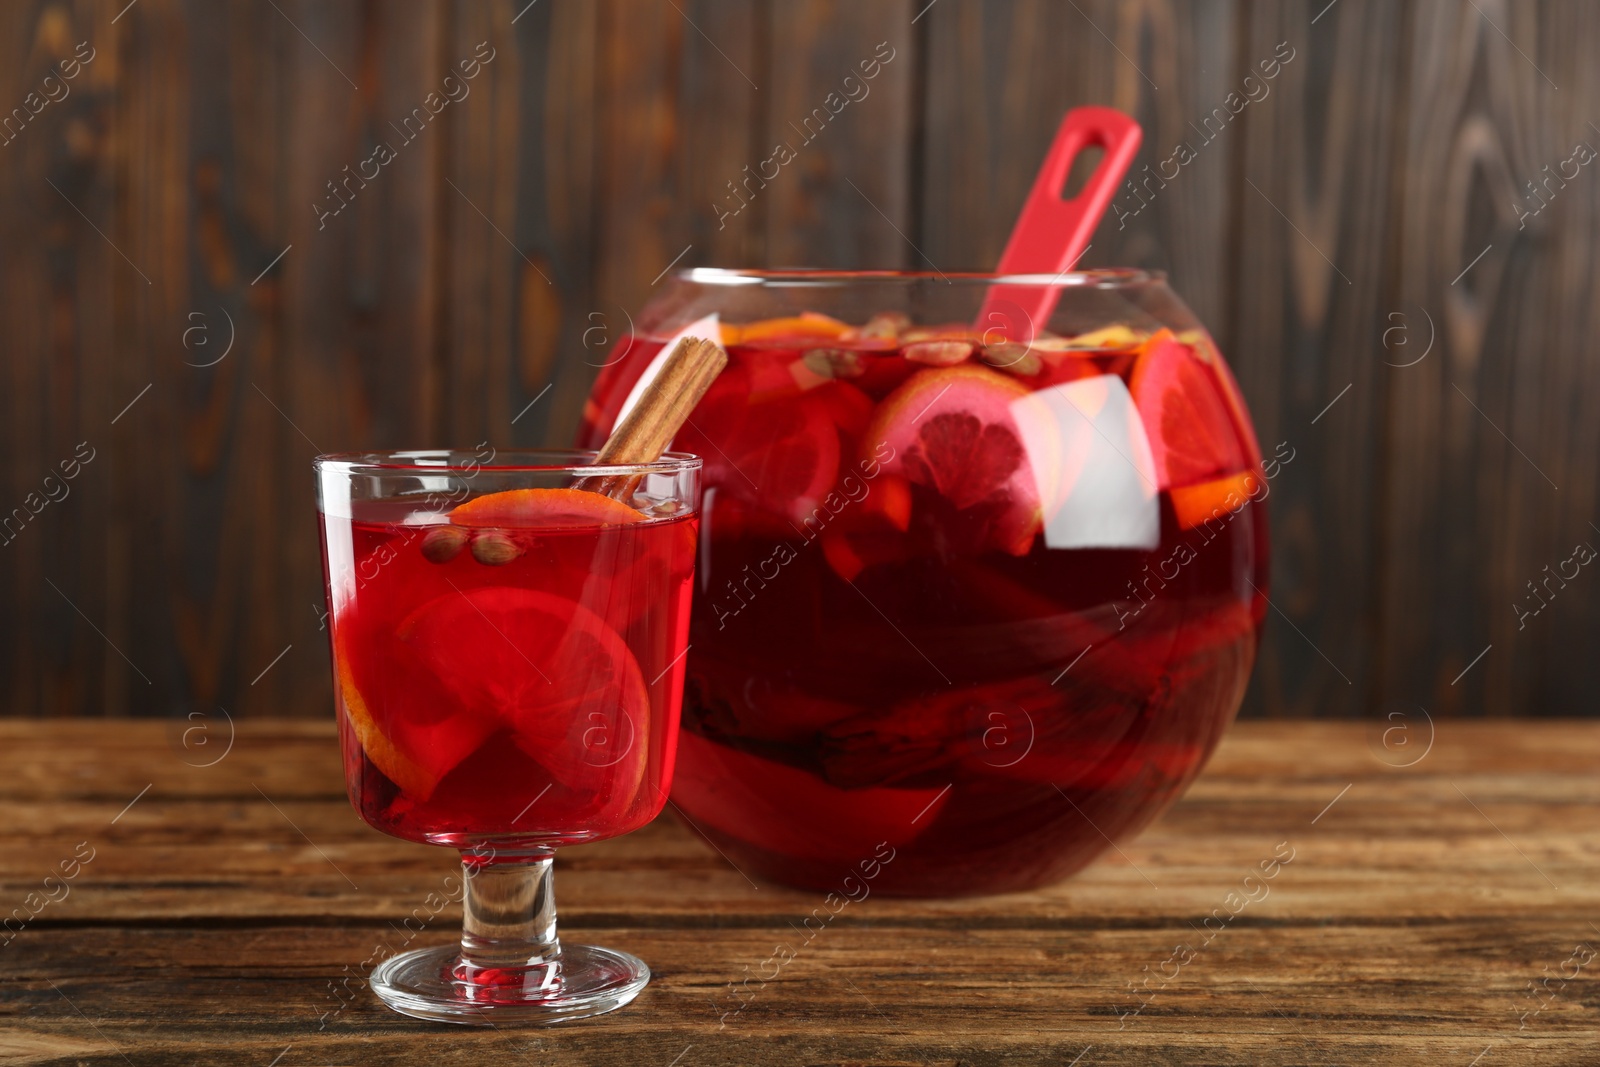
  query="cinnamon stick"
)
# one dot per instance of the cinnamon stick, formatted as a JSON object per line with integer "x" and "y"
{"x": 662, "y": 410}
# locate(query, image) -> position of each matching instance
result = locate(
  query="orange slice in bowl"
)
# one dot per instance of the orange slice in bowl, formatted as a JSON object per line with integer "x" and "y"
{"x": 807, "y": 324}
{"x": 953, "y": 430}
{"x": 543, "y": 508}
{"x": 1192, "y": 436}
{"x": 549, "y": 668}
{"x": 1215, "y": 500}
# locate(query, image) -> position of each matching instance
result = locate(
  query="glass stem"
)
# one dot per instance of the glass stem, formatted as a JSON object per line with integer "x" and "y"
{"x": 508, "y": 919}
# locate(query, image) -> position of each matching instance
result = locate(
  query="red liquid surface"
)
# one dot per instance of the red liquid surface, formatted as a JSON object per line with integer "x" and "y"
{"x": 915, "y": 667}
{"x": 529, "y": 703}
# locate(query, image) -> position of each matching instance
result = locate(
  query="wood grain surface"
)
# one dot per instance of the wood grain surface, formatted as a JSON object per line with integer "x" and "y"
{"x": 1438, "y": 906}
{"x": 199, "y": 289}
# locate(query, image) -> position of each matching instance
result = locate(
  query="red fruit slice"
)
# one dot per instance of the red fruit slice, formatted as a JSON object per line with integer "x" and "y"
{"x": 780, "y": 455}
{"x": 763, "y": 376}
{"x": 549, "y": 668}
{"x": 953, "y": 429}
{"x": 871, "y": 531}
{"x": 779, "y": 808}
{"x": 845, "y": 406}
{"x": 1192, "y": 436}
{"x": 887, "y": 503}
{"x": 543, "y": 508}
{"x": 720, "y": 413}
{"x": 1205, "y": 350}
{"x": 747, "y": 380}
{"x": 1061, "y": 367}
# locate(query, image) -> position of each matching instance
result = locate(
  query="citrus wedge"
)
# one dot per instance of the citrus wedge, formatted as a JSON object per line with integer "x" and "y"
{"x": 1214, "y": 500}
{"x": 404, "y": 737}
{"x": 1192, "y": 436}
{"x": 543, "y": 508}
{"x": 549, "y": 668}
{"x": 807, "y": 324}
{"x": 405, "y": 772}
{"x": 1205, "y": 350}
{"x": 952, "y": 430}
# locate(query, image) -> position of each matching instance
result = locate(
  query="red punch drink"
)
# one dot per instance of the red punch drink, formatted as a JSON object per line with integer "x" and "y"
{"x": 976, "y": 605}
{"x": 508, "y": 669}
{"x": 508, "y": 639}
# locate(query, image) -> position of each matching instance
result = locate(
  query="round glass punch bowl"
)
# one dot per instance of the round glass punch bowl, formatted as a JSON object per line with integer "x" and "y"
{"x": 983, "y": 564}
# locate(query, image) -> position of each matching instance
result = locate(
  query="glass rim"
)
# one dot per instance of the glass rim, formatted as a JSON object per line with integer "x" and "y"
{"x": 818, "y": 277}
{"x": 576, "y": 461}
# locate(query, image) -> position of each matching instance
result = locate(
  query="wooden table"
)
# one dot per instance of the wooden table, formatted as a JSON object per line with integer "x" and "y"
{"x": 1441, "y": 913}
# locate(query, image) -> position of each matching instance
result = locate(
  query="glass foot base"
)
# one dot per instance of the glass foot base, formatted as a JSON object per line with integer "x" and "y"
{"x": 433, "y": 983}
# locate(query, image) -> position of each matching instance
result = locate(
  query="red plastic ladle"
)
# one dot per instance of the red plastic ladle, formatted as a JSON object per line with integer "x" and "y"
{"x": 1051, "y": 233}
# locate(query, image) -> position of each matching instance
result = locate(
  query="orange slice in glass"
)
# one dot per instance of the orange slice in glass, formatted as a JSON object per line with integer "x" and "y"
{"x": 534, "y": 508}
{"x": 549, "y": 668}
{"x": 407, "y": 730}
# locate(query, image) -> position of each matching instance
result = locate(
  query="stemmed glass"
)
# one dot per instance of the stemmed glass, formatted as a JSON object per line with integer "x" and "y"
{"x": 508, "y": 668}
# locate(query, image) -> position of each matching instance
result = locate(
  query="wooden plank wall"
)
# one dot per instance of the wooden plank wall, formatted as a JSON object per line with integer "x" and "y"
{"x": 1366, "y": 206}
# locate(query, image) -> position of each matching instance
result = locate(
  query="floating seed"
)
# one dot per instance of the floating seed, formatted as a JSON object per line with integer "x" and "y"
{"x": 492, "y": 548}
{"x": 1012, "y": 357}
{"x": 938, "y": 353}
{"x": 1115, "y": 336}
{"x": 833, "y": 363}
{"x": 885, "y": 324}
{"x": 443, "y": 543}
{"x": 1055, "y": 344}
